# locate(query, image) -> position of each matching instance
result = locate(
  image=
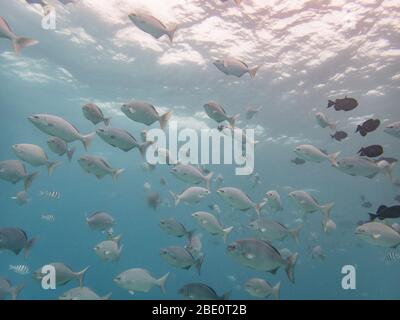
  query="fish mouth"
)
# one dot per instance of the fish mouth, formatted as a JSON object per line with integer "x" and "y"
{"x": 101, "y": 130}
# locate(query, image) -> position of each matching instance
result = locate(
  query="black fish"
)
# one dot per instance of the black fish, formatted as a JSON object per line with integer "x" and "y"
{"x": 339, "y": 135}
{"x": 298, "y": 161}
{"x": 368, "y": 126}
{"x": 397, "y": 198}
{"x": 371, "y": 151}
{"x": 345, "y": 104}
{"x": 385, "y": 212}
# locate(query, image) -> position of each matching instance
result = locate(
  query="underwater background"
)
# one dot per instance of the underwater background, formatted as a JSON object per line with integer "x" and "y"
{"x": 310, "y": 51}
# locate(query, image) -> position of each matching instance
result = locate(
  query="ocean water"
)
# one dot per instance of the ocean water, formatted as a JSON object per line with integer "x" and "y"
{"x": 309, "y": 51}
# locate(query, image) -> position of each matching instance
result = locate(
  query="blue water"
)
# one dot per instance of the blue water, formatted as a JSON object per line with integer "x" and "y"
{"x": 33, "y": 83}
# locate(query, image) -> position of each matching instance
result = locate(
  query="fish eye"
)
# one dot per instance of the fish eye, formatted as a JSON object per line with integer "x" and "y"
{"x": 36, "y": 117}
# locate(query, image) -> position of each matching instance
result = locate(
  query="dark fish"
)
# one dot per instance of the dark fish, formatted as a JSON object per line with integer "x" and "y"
{"x": 298, "y": 161}
{"x": 368, "y": 126}
{"x": 397, "y": 198}
{"x": 345, "y": 104}
{"x": 385, "y": 212}
{"x": 339, "y": 135}
{"x": 371, "y": 151}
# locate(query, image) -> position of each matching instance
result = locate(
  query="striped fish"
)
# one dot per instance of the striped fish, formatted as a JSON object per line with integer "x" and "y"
{"x": 19, "y": 269}
{"x": 48, "y": 217}
{"x": 54, "y": 195}
{"x": 392, "y": 256}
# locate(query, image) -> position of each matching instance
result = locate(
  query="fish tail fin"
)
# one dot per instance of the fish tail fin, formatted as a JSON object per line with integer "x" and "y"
{"x": 226, "y": 233}
{"x": 372, "y": 216}
{"x": 276, "y": 291}
{"x": 199, "y": 263}
{"x": 20, "y": 43}
{"x": 16, "y": 291}
{"x": 171, "y": 33}
{"x": 232, "y": 120}
{"x": 162, "y": 281}
{"x": 116, "y": 173}
{"x": 119, "y": 252}
{"x": 107, "y": 121}
{"x": 333, "y": 158}
{"x": 208, "y": 180}
{"x": 51, "y": 166}
{"x": 253, "y": 71}
{"x": 81, "y": 276}
{"x": 259, "y": 206}
{"x": 87, "y": 140}
{"x": 295, "y": 233}
{"x": 143, "y": 147}
{"x": 291, "y": 263}
{"x": 176, "y": 198}
{"x": 29, "y": 179}
{"x": 116, "y": 239}
{"x": 164, "y": 119}
{"x": 326, "y": 209}
{"x": 70, "y": 153}
{"x": 330, "y": 103}
{"x": 28, "y": 247}
{"x": 226, "y": 295}
{"x": 106, "y": 297}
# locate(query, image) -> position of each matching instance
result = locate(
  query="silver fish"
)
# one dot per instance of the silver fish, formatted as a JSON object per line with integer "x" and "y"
{"x": 235, "y": 67}
{"x": 14, "y": 171}
{"x": 180, "y": 257}
{"x": 83, "y": 293}
{"x": 378, "y": 234}
{"x": 15, "y": 240}
{"x": 139, "y": 280}
{"x": 191, "y": 174}
{"x": 60, "y": 147}
{"x": 238, "y": 199}
{"x": 260, "y": 288}
{"x": 145, "y": 113}
{"x": 174, "y": 228}
{"x": 100, "y": 221}
{"x": 190, "y": 195}
{"x": 122, "y": 139}
{"x": 93, "y": 113}
{"x": 99, "y": 167}
{"x": 201, "y": 291}
{"x": 64, "y": 274}
{"x": 393, "y": 129}
{"x": 261, "y": 256}
{"x": 216, "y": 112}
{"x": 152, "y": 25}
{"x": 61, "y": 128}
